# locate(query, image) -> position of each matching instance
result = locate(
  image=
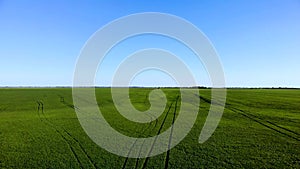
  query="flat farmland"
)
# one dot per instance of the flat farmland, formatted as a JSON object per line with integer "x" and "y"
{"x": 260, "y": 128}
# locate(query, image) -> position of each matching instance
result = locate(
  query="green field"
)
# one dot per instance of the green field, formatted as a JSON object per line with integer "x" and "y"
{"x": 260, "y": 128}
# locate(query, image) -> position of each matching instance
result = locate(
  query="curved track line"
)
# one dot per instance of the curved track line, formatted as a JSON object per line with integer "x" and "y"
{"x": 62, "y": 100}
{"x": 41, "y": 107}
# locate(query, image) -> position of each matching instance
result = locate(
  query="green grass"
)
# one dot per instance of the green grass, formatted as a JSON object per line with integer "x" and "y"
{"x": 260, "y": 128}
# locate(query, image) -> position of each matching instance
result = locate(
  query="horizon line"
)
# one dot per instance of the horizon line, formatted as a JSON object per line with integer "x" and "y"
{"x": 200, "y": 87}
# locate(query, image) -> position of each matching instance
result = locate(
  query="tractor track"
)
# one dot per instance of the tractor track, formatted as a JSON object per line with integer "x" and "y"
{"x": 171, "y": 134}
{"x": 260, "y": 121}
{"x": 127, "y": 158}
{"x": 266, "y": 123}
{"x": 83, "y": 150}
{"x": 291, "y": 131}
{"x": 68, "y": 141}
{"x": 164, "y": 120}
{"x": 39, "y": 107}
{"x": 41, "y": 113}
{"x": 209, "y": 102}
{"x": 130, "y": 150}
{"x": 62, "y": 100}
{"x": 137, "y": 160}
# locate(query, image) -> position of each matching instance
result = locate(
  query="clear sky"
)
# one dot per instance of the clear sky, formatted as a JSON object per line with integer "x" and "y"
{"x": 258, "y": 41}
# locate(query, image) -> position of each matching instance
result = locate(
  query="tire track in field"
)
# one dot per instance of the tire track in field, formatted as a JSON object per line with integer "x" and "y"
{"x": 206, "y": 100}
{"x": 131, "y": 148}
{"x": 137, "y": 160}
{"x": 291, "y": 131}
{"x": 62, "y": 100}
{"x": 145, "y": 129}
{"x": 156, "y": 122}
{"x": 164, "y": 120}
{"x": 150, "y": 115}
{"x": 41, "y": 109}
{"x": 255, "y": 118}
{"x": 83, "y": 150}
{"x": 274, "y": 127}
{"x": 171, "y": 134}
{"x": 271, "y": 123}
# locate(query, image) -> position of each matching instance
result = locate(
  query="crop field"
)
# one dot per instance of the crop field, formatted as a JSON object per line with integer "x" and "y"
{"x": 260, "y": 128}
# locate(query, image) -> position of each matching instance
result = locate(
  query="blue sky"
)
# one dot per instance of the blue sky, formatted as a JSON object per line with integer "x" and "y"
{"x": 258, "y": 41}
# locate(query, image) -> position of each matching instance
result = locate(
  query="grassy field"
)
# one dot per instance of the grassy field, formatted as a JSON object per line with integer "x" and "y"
{"x": 260, "y": 128}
